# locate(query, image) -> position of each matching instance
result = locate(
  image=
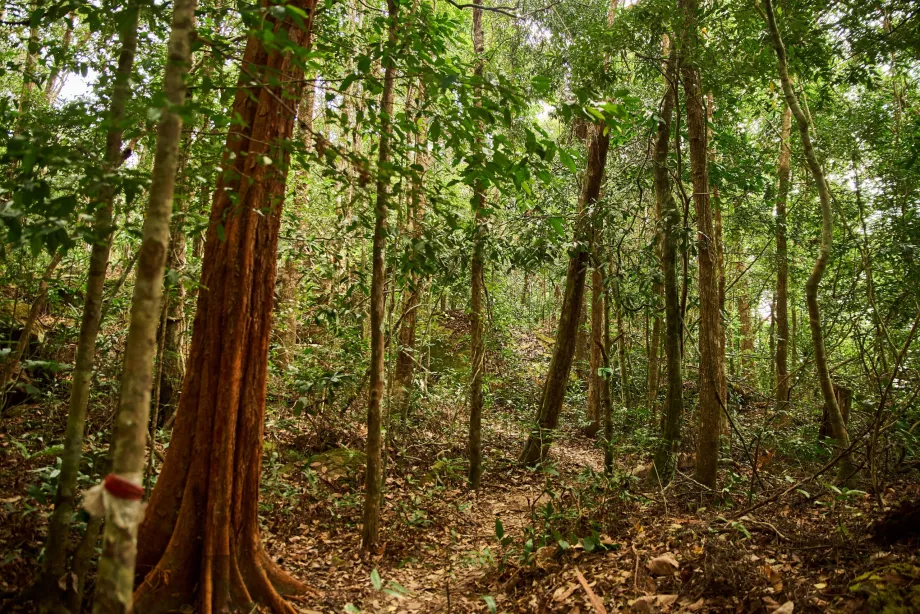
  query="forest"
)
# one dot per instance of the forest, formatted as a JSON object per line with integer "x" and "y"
{"x": 577, "y": 306}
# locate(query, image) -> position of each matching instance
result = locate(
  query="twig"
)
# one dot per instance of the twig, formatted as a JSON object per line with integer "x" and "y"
{"x": 594, "y": 599}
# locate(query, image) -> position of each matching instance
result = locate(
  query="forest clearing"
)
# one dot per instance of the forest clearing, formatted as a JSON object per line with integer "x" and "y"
{"x": 427, "y": 306}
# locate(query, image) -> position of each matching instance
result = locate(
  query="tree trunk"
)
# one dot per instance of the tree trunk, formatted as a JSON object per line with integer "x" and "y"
{"x": 782, "y": 266}
{"x": 622, "y": 341}
{"x": 596, "y": 383}
{"x": 173, "y": 371}
{"x": 672, "y": 414}
{"x": 654, "y": 348}
{"x": 606, "y": 400}
{"x": 710, "y": 382}
{"x": 119, "y": 545}
{"x": 407, "y": 356}
{"x": 746, "y": 326}
{"x": 373, "y": 484}
{"x": 581, "y": 341}
{"x": 287, "y": 312}
{"x": 200, "y": 537}
{"x": 560, "y": 366}
{"x": 55, "y": 563}
{"x": 839, "y": 429}
{"x": 477, "y": 345}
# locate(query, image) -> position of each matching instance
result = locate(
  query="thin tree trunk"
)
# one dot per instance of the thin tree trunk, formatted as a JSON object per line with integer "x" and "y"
{"x": 596, "y": 383}
{"x": 746, "y": 326}
{"x": 59, "y": 523}
{"x": 672, "y": 414}
{"x": 407, "y": 355}
{"x": 115, "y": 583}
{"x": 477, "y": 345}
{"x": 560, "y": 366}
{"x": 373, "y": 484}
{"x": 838, "y": 427}
{"x": 606, "y": 400}
{"x": 782, "y": 266}
{"x": 287, "y": 310}
{"x": 710, "y": 382}
{"x": 174, "y": 324}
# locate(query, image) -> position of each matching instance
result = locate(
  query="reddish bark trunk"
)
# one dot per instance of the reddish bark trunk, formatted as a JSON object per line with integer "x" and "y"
{"x": 200, "y": 537}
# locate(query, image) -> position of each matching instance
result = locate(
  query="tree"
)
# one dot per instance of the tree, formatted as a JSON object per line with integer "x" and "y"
{"x": 782, "y": 266}
{"x": 540, "y": 439}
{"x": 373, "y": 483}
{"x": 672, "y": 414}
{"x": 123, "y": 508}
{"x": 59, "y": 523}
{"x": 838, "y": 426}
{"x": 710, "y": 380}
{"x": 477, "y": 281}
{"x": 200, "y": 537}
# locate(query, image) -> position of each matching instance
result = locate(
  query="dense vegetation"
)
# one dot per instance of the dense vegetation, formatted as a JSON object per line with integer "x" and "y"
{"x": 410, "y": 305}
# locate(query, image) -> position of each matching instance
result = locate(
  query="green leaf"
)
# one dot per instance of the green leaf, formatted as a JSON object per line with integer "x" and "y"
{"x": 375, "y": 579}
{"x": 590, "y": 543}
{"x": 556, "y": 223}
{"x": 490, "y": 601}
{"x": 351, "y": 609}
{"x": 499, "y": 528}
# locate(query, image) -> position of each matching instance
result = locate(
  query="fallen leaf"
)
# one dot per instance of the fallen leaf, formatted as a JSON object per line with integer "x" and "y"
{"x": 664, "y": 565}
{"x": 786, "y": 608}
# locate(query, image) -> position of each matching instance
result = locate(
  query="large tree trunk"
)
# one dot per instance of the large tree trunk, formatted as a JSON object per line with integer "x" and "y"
{"x": 782, "y": 267}
{"x": 55, "y": 563}
{"x": 477, "y": 345}
{"x": 838, "y": 426}
{"x": 200, "y": 537}
{"x": 119, "y": 547}
{"x": 373, "y": 483}
{"x": 672, "y": 414}
{"x": 560, "y": 365}
{"x": 710, "y": 382}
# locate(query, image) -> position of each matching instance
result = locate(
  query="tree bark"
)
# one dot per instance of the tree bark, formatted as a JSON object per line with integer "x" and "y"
{"x": 373, "y": 484}
{"x": 710, "y": 382}
{"x": 477, "y": 344}
{"x": 200, "y": 537}
{"x": 746, "y": 326}
{"x": 596, "y": 383}
{"x": 540, "y": 439}
{"x": 782, "y": 266}
{"x": 119, "y": 544}
{"x": 55, "y": 563}
{"x": 838, "y": 427}
{"x": 672, "y": 414}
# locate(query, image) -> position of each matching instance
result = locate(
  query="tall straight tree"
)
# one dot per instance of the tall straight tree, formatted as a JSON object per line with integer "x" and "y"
{"x": 596, "y": 382}
{"x": 123, "y": 509}
{"x": 477, "y": 345}
{"x": 837, "y": 424}
{"x": 415, "y": 216}
{"x": 710, "y": 403}
{"x": 54, "y": 566}
{"x": 200, "y": 542}
{"x": 672, "y": 414}
{"x": 373, "y": 482}
{"x": 782, "y": 266}
{"x": 560, "y": 366}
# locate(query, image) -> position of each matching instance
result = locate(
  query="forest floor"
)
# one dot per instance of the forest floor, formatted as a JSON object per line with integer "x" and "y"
{"x": 564, "y": 538}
